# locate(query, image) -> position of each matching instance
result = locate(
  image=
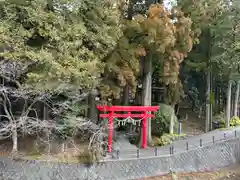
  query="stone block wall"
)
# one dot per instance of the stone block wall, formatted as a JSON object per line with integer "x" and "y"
{"x": 207, "y": 158}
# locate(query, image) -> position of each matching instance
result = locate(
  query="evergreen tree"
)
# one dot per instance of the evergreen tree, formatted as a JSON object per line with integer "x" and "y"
{"x": 61, "y": 43}
{"x": 204, "y": 15}
{"x": 226, "y": 48}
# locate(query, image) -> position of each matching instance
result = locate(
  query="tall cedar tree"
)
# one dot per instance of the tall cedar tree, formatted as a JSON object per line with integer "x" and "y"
{"x": 161, "y": 33}
{"x": 63, "y": 41}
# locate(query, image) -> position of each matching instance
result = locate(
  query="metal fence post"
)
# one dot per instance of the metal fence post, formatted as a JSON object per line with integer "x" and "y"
{"x": 186, "y": 145}
{"x": 213, "y": 139}
{"x": 155, "y": 151}
{"x": 179, "y": 128}
{"x": 138, "y": 153}
{"x": 200, "y": 142}
{"x": 117, "y": 154}
{"x": 235, "y": 133}
{"x": 172, "y": 150}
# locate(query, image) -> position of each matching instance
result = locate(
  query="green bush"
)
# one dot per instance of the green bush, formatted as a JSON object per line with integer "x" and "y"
{"x": 220, "y": 118}
{"x": 235, "y": 121}
{"x": 166, "y": 139}
{"x": 134, "y": 140}
{"x": 161, "y": 123}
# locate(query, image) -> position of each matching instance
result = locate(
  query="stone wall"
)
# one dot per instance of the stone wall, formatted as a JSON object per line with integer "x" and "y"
{"x": 207, "y": 158}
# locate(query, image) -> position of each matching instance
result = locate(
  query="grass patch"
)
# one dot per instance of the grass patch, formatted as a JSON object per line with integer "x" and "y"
{"x": 166, "y": 139}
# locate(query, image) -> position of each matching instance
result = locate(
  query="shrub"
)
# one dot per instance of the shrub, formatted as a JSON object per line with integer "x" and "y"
{"x": 220, "y": 118}
{"x": 85, "y": 157}
{"x": 88, "y": 157}
{"x": 235, "y": 121}
{"x": 134, "y": 139}
{"x": 166, "y": 139}
{"x": 161, "y": 123}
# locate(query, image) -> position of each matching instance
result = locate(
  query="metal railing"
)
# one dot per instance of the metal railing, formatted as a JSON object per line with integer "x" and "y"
{"x": 176, "y": 147}
{"x": 219, "y": 155}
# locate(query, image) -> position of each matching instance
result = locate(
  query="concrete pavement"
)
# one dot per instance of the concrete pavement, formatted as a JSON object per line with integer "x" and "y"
{"x": 124, "y": 150}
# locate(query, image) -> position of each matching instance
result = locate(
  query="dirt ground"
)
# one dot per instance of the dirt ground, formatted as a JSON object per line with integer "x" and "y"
{"x": 28, "y": 149}
{"x": 230, "y": 173}
{"x": 193, "y": 126}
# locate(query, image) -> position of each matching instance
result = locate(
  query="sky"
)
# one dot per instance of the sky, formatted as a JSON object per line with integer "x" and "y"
{"x": 169, "y": 3}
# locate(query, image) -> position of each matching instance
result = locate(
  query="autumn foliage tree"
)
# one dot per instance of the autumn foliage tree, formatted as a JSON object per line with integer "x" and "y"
{"x": 162, "y": 36}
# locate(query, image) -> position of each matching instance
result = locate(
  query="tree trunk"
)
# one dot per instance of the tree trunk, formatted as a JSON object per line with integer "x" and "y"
{"x": 207, "y": 122}
{"x": 228, "y": 108}
{"x": 236, "y": 99}
{"x": 232, "y": 106}
{"x": 171, "y": 127}
{"x": 221, "y": 100}
{"x": 211, "y": 102}
{"x": 130, "y": 10}
{"x": 1, "y": 112}
{"x": 126, "y": 96}
{"x": 8, "y": 112}
{"x": 125, "y": 102}
{"x": 63, "y": 147}
{"x": 208, "y": 90}
{"x": 14, "y": 138}
{"x": 147, "y": 92}
{"x": 92, "y": 109}
{"x": 216, "y": 101}
{"x": 45, "y": 112}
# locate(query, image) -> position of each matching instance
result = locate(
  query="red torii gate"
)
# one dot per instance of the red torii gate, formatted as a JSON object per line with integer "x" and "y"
{"x": 111, "y": 115}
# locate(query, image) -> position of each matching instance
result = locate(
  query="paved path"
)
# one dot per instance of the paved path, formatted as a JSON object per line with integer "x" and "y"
{"x": 129, "y": 151}
{"x": 123, "y": 143}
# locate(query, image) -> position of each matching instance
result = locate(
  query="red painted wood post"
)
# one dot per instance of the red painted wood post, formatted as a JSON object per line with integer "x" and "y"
{"x": 144, "y": 140}
{"x": 110, "y": 135}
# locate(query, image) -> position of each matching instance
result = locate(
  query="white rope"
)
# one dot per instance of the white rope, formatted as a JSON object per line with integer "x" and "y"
{"x": 129, "y": 120}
